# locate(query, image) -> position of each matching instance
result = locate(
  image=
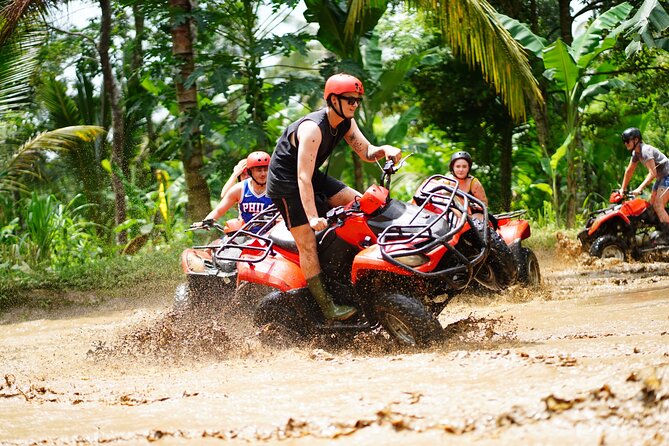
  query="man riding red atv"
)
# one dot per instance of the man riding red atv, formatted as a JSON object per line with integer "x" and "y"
{"x": 397, "y": 263}
{"x": 627, "y": 228}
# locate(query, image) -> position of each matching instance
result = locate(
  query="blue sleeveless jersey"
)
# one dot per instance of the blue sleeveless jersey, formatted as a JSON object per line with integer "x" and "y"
{"x": 251, "y": 203}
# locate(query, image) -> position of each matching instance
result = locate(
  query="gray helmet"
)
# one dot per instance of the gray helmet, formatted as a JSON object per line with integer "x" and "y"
{"x": 461, "y": 155}
{"x": 630, "y": 133}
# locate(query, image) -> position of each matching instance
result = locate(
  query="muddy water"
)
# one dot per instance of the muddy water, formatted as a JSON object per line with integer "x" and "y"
{"x": 584, "y": 358}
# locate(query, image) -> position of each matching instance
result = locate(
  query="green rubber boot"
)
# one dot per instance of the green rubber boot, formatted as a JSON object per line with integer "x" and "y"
{"x": 324, "y": 300}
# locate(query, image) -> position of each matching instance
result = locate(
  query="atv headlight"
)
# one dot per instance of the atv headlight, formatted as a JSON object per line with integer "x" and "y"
{"x": 413, "y": 260}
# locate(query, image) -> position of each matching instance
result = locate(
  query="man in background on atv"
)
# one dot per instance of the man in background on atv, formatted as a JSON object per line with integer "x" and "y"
{"x": 249, "y": 193}
{"x": 294, "y": 178}
{"x": 460, "y": 167}
{"x": 658, "y": 170}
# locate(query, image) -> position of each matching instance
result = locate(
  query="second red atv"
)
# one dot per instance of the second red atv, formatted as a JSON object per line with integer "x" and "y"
{"x": 626, "y": 229}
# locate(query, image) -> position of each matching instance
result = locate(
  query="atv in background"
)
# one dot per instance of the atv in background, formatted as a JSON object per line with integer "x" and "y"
{"x": 499, "y": 270}
{"x": 626, "y": 229}
{"x": 513, "y": 231}
{"x": 210, "y": 280}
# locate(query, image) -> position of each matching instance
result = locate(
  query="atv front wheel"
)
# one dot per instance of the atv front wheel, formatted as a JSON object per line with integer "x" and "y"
{"x": 529, "y": 273}
{"x": 407, "y": 320}
{"x": 609, "y": 247}
{"x": 281, "y": 315}
{"x": 182, "y": 298}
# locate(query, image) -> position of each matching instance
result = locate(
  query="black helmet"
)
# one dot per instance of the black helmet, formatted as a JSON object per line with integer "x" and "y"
{"x": 461, "y": 155}
{"x": 630, "y": 133}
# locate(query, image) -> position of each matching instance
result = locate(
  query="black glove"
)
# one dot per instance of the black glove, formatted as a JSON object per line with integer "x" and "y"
{"x": 208, "y": 223}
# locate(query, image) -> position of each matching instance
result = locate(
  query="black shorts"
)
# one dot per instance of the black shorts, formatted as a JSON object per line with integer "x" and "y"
{"x": 291, "y": 208}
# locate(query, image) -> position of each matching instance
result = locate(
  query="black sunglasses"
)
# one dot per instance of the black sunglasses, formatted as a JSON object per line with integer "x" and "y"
{"x": 350, "y": 99}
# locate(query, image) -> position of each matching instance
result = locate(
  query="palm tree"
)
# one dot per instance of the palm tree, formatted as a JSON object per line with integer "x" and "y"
{"x": 472, "y": 30}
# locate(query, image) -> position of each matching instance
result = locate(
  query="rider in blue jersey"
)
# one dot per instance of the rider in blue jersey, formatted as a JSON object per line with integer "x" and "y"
{"x": 250, "y": 193}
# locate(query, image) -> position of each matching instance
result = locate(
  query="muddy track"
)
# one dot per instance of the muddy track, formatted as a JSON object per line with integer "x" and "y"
{"x": 582, "y": 359}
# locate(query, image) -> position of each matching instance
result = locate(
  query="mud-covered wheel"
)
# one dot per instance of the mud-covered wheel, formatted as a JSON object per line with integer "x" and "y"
{"x": 529, "y": 273}
{"x": 182, "y": 297}
{"x": 499, "y": 271}
{"x": 279, "y": 319}
{"x": 609, "y": 247}
{"x": 407, "y": 320}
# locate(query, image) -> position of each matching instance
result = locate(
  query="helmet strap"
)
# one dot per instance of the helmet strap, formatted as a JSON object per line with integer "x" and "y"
{"x": 254, "y": 180}
{"x": 339, "y": 112}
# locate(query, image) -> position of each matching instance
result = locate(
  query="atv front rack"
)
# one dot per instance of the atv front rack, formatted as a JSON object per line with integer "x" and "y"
{"x": 250, "y": 239}
{"x": 442, "y": 198}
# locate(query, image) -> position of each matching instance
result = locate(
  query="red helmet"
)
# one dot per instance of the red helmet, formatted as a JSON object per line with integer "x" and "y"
{"x": 342, "y": 83}
{"x": 257, "y": 159}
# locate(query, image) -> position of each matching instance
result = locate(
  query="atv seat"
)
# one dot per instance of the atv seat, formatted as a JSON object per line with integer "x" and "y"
{"x": 282, "y": 237}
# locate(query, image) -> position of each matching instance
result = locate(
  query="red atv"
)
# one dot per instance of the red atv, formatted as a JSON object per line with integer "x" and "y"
{"x": 502, "y": 267}
{"x": 398, "y": 263}
{"x": 513, "y": 231}
{"x": 627, "y": 228}
{"x": 209, "y": 278}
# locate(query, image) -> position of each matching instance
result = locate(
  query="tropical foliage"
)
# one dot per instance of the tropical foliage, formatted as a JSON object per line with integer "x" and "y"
{"x": 135, "y": 119}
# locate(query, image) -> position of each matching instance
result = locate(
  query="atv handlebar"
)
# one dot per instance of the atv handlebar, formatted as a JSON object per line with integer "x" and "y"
{"x": 206, "y": 225}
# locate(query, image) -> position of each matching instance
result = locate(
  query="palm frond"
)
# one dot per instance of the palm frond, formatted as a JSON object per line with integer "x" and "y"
{"x": 63, "y": 110}
{"x": 18, "y": 61}
{"x": 472, "y": 30}
{"x": 16, "y": 12}
{"x": 22, "y": 162}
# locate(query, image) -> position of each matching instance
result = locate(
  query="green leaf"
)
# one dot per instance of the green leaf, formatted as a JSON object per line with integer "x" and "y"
{"x": 599, "y": 88}
{"x": 400, "y": 129}
{"x": 584, "y": 46}
{"x": 106, "y": 165}
{"x": 522, "y": 33}
{"x": 561, "y": 67}
{"x": 561, "y": 151}
{"x": 546, "y": 188}
{"x": 646, "y": 26}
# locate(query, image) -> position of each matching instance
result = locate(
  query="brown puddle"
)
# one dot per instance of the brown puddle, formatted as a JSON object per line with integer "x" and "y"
{"x": 584, "y": 358}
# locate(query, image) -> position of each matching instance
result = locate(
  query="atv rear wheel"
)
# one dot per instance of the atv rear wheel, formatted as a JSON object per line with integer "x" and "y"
{"x": 609, "y": 247}
{"x": 529, "y": 273}
{"x": 499, "y": 270}
{"x": 407, "y": 320}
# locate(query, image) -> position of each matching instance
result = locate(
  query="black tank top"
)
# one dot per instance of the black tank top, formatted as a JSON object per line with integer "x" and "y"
{"x": 282, "y": 175}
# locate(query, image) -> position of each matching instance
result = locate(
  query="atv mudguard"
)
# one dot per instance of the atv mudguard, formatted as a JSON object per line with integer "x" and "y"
{"x": 514, "y": 231}
{"x": 370, "y": 259}
{"x": 607, "y": 217}
{"x": 276, "y": 272}
{"x": 192, "y": 260}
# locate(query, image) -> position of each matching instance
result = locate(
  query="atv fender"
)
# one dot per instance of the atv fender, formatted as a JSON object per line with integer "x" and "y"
{"x": 192, "y": 260}
{"x": 276, "y": 272}
{"x": 371, "y": 259}
{"x": 607, "y": 218}
{"x": 514, "y": 231}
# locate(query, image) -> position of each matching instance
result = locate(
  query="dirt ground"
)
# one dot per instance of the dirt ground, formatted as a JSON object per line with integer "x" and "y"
{"x": 583, "y": 359}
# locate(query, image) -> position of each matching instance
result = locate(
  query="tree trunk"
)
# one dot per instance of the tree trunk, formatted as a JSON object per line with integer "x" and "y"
{"x": 112, "y": 91}
{"x": 199, "y": 202}
{"x": 565, "y": 21}
{"x": 506, "y": 165}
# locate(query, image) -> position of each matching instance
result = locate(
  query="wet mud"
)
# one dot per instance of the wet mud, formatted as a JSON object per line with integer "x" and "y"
{"x": 584, "y": 358}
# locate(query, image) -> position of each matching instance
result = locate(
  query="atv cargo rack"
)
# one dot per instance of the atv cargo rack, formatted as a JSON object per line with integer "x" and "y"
{"x": 250, "y": 239}
{"x": 441, "y": 197}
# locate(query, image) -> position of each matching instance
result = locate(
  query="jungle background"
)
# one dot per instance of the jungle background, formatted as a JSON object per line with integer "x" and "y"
{"x": 118, "y": 131}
